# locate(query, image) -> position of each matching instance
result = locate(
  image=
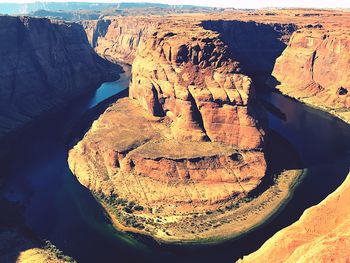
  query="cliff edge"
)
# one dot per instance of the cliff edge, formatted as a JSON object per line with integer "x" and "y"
{"x": 322, "y": 234}
{"x": 315, "y": 68}
{"x": 44, "y": 64}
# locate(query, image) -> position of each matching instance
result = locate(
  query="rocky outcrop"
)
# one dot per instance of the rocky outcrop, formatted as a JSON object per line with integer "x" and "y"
{"x": 315, "y": 68}
{"x": 18, "y": 246}
{"x": 117, "y": 39}
{"x": 191, "y": 79}
{"x": 43, "y": 64}
{"x": 322, "y": 234}
{"x": 186, "y": 141}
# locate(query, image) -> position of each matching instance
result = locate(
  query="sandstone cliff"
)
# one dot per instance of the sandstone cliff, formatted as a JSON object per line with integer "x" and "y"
{"x": 186, "y": 141}
{"x": 43, "y": 64}
{"x": 315, "y": 68}
{"x": 117, "y": 38}
{"x": 322, "y": 234}
{"x": 255, "y": 44}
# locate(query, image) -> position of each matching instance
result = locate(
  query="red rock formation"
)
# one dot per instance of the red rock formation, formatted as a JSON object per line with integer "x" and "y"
{"x": 195, "y": 106}
{"x": 322, "y": 234}
{"x": 315, "y": 68}
{"x": 187, "y": 140}
{"x": 117, "y": 38}
{"x": 192, "y": 80}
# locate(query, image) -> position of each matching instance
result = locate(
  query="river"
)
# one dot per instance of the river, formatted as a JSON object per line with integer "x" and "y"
{"x": 58, "y": 208}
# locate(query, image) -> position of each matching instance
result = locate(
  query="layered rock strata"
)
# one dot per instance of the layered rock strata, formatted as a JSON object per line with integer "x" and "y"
{"x": 322, "y": 234}
{"x": 256, "y": 45}
{"x": 186, "y": 141}
{"x": 315, "y": 68}
{"x": 117, "y": 38}
{"x": 43, "y": 64}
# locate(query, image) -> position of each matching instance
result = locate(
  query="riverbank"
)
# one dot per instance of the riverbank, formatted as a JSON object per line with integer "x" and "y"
{"x": 321, "y": 234}
{"x": 342, "y": 114}
{"x": 230, "y": 220}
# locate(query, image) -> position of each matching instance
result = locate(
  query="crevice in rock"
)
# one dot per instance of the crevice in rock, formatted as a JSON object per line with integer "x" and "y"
{"x": 313, "y": 58}
{"x": 196, "y": 115}
{"x": 100, "y": 30}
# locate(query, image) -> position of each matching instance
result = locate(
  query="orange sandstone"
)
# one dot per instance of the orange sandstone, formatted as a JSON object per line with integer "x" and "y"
{"x": 322, "y": 234}
{"x": 187, "y": 140}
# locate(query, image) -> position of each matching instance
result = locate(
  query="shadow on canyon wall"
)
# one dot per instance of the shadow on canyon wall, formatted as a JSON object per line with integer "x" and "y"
{"x": 255, "y": 45}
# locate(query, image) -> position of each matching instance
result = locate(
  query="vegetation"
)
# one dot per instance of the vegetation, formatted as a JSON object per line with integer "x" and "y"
{"x": 57, "y": 252}
{"x": 122, "y": 208}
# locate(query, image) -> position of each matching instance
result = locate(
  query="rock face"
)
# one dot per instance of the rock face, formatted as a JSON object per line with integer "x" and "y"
{"x": 315, "y": 68}
{"x": 43, "y": 64}
{"x": 117, "y": 38}
{"x": 187, "y": 140}
{"x": 256, "y": 45}
{"x": 191, "y": 79}
{"x": 320, "y": 235}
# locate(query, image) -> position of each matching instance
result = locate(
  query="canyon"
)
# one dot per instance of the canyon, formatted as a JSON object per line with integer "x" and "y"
{"x": 185, "y": 90}
{"x": 185, "y": 157}
{"x": 44, "y": 64}
{"x": 264, "y": 43}
{"x": 201, "y": 143}
{"x": 319, "y": 74}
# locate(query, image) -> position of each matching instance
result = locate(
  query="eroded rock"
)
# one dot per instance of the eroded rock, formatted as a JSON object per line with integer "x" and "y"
{"x": 315, "y": 68}
{"x": 187, "y": 140}
{"x": 320, "y": 235}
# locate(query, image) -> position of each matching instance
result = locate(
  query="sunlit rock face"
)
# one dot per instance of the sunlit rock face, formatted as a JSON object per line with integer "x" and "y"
{"x": 118, "y": 38}
{"x": 315, "y": 68}
{"x": 320, "y": 235}
{"x": 191, "y": 79}
{"x": 188, "y": 138}
{"x": 43, "y": 64}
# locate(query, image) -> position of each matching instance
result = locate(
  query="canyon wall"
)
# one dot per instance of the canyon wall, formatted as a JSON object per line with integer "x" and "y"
{"x": 322, "y": 234}
{"x": 43, "y": 64}
{"x": 187, "y": 140}
{"x": 256, "y": 45}
{"x": 117, "y": 39}
{"x": 315, "y": 68}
